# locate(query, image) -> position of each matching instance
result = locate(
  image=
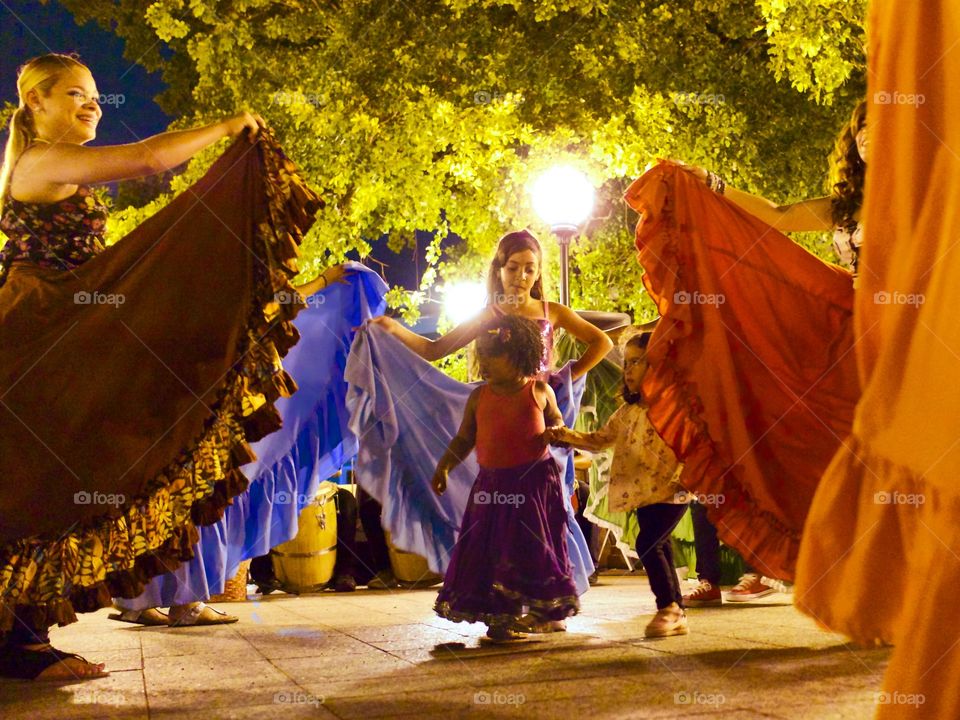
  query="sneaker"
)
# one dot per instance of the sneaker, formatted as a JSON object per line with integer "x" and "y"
{"x": 704, "y": 595}
{"x": 669, "y": 621}
{"x": 383, "y": 580}
{"x": 749, "y": 588}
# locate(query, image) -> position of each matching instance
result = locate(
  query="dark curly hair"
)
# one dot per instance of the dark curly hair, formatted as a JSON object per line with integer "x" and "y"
{"x": 511, "y": 243}
{"x": 640, "y": 340}
{"x": 516, "y": 337}
{"x": 847, "y": 171}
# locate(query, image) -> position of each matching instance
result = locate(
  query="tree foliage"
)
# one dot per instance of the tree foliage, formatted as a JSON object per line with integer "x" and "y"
{"x": 435, "y": 114}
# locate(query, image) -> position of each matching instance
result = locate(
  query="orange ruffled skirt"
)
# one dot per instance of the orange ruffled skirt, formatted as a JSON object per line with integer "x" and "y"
{"x": 880, "y": 559}
{"x": 122, "y": 426}
{"x": 752, "y": 379}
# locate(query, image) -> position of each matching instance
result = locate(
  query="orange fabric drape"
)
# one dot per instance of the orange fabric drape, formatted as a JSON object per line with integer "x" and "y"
{"x": 752, "y": 378}
{"x": 880, "y": 559}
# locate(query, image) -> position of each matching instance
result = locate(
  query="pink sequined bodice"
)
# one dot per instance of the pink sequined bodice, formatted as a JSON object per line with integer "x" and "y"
{"x": 546, "y": 334}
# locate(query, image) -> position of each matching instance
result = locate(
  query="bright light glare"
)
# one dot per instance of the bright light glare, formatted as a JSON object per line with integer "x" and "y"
{"x": 464, "y": 300}
{"x": 562, "y": 196}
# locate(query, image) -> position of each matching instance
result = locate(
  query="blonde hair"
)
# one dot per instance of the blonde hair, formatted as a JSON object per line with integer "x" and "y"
{"x": 39, "y": 74}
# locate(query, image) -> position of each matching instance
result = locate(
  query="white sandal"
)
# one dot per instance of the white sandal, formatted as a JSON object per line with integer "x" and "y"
{"x": 198, "y": 615}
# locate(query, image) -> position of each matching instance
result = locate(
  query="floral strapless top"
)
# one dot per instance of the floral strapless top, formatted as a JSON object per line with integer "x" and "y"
{"x": 60, "y": 235}
{"x": 847, "y": 243}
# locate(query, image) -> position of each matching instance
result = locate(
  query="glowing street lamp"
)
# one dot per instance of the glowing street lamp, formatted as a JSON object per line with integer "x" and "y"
{"x": 563, "y": 198}
{"x": 464, "y": 300}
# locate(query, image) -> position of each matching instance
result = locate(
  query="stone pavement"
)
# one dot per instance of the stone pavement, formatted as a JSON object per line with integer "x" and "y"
{"x": 385, "y": 654}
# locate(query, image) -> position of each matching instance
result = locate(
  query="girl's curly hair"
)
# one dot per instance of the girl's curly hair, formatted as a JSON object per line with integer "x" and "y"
{"x": 516, "y": 337}
{"x": 847, "y": 171}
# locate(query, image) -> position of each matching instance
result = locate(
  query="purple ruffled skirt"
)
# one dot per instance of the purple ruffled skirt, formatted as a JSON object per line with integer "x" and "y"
{"x": 511, "y": 553}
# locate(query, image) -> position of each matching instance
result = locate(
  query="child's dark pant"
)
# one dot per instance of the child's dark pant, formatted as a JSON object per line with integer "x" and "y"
{"x": 655, "y": 548}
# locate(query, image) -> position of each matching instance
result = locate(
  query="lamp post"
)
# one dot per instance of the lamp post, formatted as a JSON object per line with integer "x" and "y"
{"x": 563, "y": 198}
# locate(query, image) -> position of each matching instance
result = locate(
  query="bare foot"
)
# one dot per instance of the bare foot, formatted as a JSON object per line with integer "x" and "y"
{"x": 69, "y": 668}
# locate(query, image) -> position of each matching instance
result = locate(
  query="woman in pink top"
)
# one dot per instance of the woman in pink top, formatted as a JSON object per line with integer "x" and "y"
{"x": 511, "y": 551}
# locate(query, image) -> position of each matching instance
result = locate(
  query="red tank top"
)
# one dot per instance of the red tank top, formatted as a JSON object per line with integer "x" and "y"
{"x": 509, "y": 428}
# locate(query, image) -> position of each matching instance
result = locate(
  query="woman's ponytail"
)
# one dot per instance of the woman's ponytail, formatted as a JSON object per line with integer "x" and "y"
{"x": 22, "y": 133}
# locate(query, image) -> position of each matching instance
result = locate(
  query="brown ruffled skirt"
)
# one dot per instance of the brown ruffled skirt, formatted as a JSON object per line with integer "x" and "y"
{"x": 124, "y": 420}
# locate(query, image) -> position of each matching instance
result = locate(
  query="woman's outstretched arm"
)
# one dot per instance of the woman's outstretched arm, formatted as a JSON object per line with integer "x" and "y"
{"x": 62, "y": 163}
{"x": 812, "y": 215}
{"x": 333, "y": 274}
{"x": 446, "y": 344}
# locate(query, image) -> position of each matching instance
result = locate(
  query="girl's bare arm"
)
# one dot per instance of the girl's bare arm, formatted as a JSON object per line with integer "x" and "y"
{"x": 598, "y": 344}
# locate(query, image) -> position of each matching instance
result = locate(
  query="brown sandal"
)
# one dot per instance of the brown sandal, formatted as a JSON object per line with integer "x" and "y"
{"x": 151, "y": 617}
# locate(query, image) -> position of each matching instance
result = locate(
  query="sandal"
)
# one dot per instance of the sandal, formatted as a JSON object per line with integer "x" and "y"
{"x": 502, "y": 634}
{"x": 151, "y": 617}
{"x": 203, "y": 614}
{"x": 21, "y": 663}
{"x": 530, "y": 624}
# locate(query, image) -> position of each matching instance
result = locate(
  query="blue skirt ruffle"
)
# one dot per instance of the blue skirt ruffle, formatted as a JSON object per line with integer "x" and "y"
{"x": 312, "y": 445}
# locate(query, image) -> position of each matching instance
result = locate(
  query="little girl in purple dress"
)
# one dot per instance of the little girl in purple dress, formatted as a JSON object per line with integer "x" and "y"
{"x": 511, "y": 552}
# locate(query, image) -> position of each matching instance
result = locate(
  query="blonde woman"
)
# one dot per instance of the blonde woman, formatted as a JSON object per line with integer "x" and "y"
{"x": 132, "y": 376}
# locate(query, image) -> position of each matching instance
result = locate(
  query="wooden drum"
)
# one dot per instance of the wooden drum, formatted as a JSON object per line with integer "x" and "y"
{"x": 305, "y": 564}
{"x": 410, "y": 570}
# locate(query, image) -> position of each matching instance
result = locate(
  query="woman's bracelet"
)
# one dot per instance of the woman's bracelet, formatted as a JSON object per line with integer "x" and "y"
{"x": 325, "y": 283}
{"x": 715, "y": 182}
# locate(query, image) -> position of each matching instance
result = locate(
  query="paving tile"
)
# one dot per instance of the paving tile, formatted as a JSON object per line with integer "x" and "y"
{"x": 386, "y": 654}
{"x": 218, "y": 640}
{"x": 120, "y": 696}
{"x": 292, "y": 641}
{"x": 368, "y": 662}
{"x": 399, "y": 704}
{"x": 209, "y": 681}
{"x": 291, "y": 705}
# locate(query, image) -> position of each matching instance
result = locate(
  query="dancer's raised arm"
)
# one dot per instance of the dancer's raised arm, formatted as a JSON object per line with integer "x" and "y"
{"x": 598, "y": 344}
{"x": 59, "y": 115}
{"x": 814, "y": 215}
{"x": 447, "y": 344}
